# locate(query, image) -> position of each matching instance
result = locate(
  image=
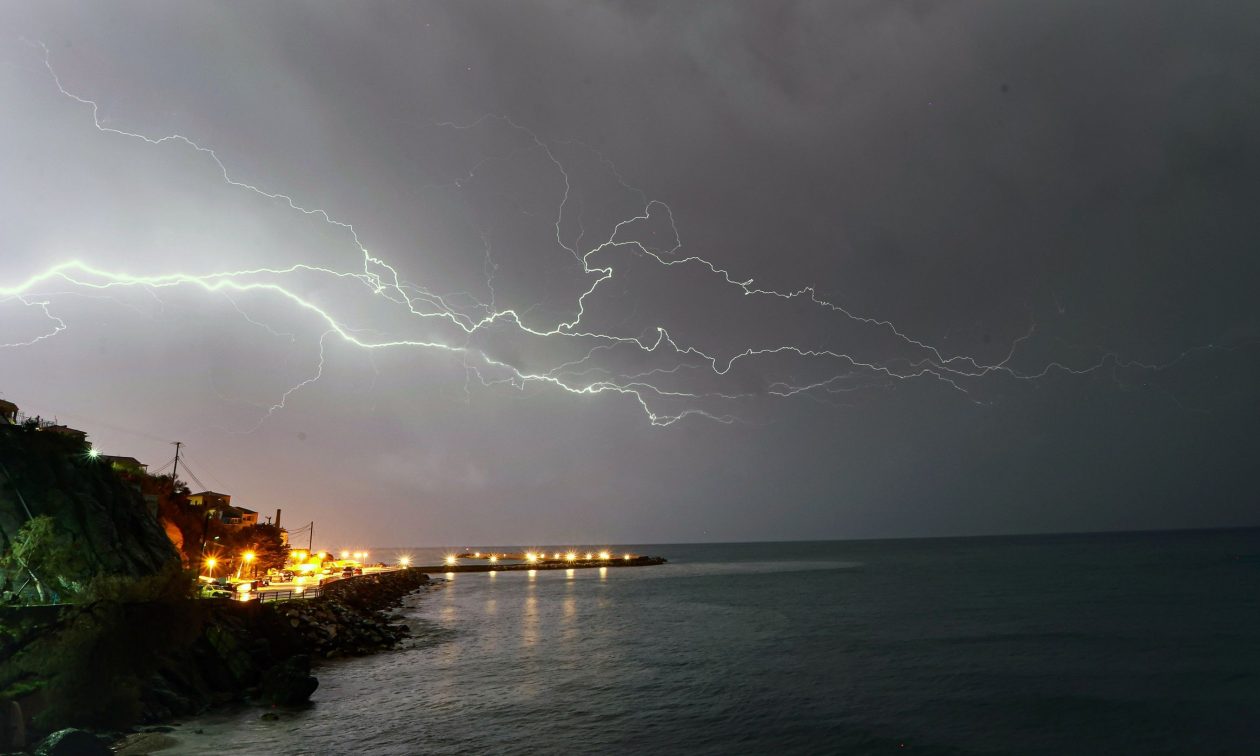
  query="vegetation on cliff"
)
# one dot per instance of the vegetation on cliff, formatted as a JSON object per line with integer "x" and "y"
{"x": 52, "y": 492}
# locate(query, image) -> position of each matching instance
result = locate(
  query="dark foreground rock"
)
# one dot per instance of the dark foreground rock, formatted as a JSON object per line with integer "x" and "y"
{"x": 288, "y": 683}
{"x": 71, "y": 742}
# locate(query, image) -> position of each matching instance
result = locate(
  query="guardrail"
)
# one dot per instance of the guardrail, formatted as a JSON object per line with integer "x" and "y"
{"x": 289, "y": 595}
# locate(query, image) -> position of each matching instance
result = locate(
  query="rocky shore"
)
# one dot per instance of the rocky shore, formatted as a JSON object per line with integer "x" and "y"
{"x": 235, "y": 652}
{"x": 264, "y": 652}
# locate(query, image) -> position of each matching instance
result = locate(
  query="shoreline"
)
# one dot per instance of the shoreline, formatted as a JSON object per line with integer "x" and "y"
{"x": 191, "y": 657}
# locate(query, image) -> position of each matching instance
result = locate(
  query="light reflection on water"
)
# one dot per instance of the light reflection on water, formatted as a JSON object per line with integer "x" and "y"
{"x": 521, "y": 644}
{"x": 1035, "y": 645}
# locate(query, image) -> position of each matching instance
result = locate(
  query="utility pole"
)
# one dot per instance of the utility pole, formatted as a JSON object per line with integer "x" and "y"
{"x": 310, "y": 544}
{"x": 175, "y": 469}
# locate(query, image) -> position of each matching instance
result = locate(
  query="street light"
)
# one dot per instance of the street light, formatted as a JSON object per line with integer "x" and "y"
{"x": 93, "y": 453}
{"x": 450, "y": 559}
{"x": 570, "y": 557}
{"x": 404, "y": 560}
{"x": 210, "y": 563}
{"x": 345, "y": 555}
{"x": 604, "y": 555}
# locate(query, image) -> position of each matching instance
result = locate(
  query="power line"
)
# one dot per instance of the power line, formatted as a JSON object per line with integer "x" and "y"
{"x": 208, "y": 474}
{"x": 193, "y": 475}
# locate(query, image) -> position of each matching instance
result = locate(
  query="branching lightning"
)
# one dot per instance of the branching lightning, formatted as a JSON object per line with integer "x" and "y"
{"x": 661, "y": 388}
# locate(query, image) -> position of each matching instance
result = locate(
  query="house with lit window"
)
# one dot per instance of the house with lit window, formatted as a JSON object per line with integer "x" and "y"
{"x": 126, "y": 464}
{"x": 238, "y": 517}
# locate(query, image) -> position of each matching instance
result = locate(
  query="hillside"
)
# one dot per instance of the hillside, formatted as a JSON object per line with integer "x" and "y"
{"x": 105, "y": 518}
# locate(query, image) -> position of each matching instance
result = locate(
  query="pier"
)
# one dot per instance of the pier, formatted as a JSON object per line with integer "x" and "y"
{"x": 540, "y": 564}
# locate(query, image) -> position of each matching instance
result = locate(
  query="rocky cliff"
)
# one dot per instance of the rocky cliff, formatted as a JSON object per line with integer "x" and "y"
{"x": 44, "y": 473}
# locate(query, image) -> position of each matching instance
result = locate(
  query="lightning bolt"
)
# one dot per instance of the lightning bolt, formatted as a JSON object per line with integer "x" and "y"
{"x": 662, "y": 404}
{"x": 58, "y": 325}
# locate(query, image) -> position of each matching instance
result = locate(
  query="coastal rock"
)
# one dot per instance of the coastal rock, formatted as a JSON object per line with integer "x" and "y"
{"x": 105, "y": 517}
{"x": 289, "y": 683}
{"x": 71, "y": 742}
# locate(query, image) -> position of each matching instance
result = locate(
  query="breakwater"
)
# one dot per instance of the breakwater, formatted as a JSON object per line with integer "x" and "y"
{"x": 110, "y": 666}
{"x": 640, "y": 561}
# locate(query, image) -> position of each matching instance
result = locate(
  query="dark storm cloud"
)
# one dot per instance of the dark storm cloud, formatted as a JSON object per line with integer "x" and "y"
{"x": 965, "y": 171}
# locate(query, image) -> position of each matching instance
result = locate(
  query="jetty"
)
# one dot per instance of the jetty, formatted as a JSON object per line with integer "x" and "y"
{"x": 486, "y": 565}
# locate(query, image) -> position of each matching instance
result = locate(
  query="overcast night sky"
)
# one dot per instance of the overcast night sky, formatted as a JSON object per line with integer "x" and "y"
{"x": 1030, "y": 228}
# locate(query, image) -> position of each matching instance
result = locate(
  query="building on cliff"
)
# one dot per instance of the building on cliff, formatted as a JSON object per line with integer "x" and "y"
{"x": 126, "y": 464}
{"x": 67, "y": 431}
{"x": 210, "y": 500}
{"x": 8, "y": 412}
{"x": 238, "y": 517}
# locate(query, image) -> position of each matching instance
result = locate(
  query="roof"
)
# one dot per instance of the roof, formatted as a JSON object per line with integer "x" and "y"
{"x": 212, "y": 493}
{"x": 123, "y": 460}
{"x": 8, "y": 406}
{"x": 246, "y": 511}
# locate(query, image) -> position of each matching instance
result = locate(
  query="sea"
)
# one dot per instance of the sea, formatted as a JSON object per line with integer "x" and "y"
{"x": 1128, "y": 643}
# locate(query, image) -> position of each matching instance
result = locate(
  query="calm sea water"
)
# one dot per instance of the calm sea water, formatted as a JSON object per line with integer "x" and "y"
{"x": 1131, "y": 643}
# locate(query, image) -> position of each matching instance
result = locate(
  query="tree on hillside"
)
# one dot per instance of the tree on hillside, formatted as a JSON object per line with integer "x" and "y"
{"x": 263, "y": 541}
{"x": 47, "y": 553}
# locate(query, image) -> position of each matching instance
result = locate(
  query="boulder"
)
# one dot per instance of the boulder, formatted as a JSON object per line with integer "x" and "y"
{"x": 289, "y": 683}
{"x": 71, "y": 742}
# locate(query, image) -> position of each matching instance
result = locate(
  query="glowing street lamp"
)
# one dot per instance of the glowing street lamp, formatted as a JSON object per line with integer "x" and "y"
{"x": 345, "y": 555}
{"x": 604, "y": 555}
{"x": 627, "y": 557}
{"x": 210, "y": 563}
{"x": 493, "y": 558}
{"x": 450, "y": 559}
{"x": 570, "y": 557}
{"x": 531, "y": 557}
{"x": 404, "y": 560}
{"x": 93, "y": 453}
{"x": 589, "y": 556}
